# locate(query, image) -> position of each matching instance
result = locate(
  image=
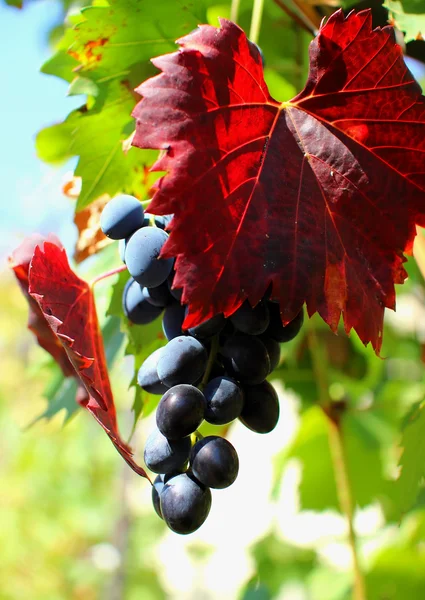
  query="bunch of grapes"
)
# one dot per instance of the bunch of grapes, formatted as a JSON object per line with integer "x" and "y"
{"x": 215, "y": 371}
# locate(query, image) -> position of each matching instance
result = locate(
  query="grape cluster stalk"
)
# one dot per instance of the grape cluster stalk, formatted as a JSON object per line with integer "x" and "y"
{"x": 215, "y": 371}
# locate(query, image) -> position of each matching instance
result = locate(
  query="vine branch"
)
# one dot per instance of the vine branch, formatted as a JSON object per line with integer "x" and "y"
{"x": 345, "y": 499}
{"x": 339, "y": 459}
{"x": 257, "y": 14}
{"x": 303, "y": 22}
{"x": 308, "y": 14}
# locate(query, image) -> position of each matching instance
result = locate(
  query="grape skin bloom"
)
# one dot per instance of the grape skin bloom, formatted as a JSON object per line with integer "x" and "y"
{"x": 142, "y": 257}
{"x": 121, "y": 217}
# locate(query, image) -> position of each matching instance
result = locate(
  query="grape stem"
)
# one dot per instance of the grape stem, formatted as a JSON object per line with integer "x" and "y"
{"x": 339, "y": 459}
{"x": 211, "y": 359}
{"x": 257, "y": 13}
{"x": 115, "y": 271}
{"x": 234, "y": 10}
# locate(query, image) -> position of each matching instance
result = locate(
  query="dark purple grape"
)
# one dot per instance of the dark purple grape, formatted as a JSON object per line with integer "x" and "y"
{"x": 252, "y": 321}
{"x": 214, "y": 462}
{"x": 185, "y": 503}
{"x": 208, "y": 328}
{"x": 278, "y": 331}
{"x": 135, "y": 307}
{"x": 176, "y": 292}
{"x": 121, "y": 217}
{"x": 273, "y": 350}
{"x": 157, "y": 487}
{"x": 260, "y": 412}
{"x": 182, "y": 360}
{"x": 173, "y": 320}
{"x": 180, "y": 411}
{"x": 142, "y": 257}
{"x": 166, "y": 456}
{"x": 228, "y": 332}
{"x": 246, "y": 359}
{"x": 224, "y": 399}
{"x": 158, "y": 296}
{"x": 147, "y": 377}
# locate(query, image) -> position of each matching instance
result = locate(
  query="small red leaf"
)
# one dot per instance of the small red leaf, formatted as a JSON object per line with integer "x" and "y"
{"x": 318, "y": 196}
{"x": 67, "y": 326}
{"x": 19, "y": 261}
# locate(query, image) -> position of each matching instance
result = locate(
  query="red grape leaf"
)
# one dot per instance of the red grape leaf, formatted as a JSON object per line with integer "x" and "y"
{"x": 317, "y": 197}
{"x": 19, "y": 261}
{"x": 67, "y": 304}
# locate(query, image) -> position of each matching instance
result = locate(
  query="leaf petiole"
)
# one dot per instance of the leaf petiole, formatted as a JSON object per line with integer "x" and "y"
{"x": 107, "y": 274}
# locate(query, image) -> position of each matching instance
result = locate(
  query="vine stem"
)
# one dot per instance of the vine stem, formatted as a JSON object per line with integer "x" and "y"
{"x": 257, "y": 13}
{"x": 345, "y": 499}
{"x": 107, "y": 274}
{"x": 303, "y": 21}
{"x": 309, "y": 14}
{"x": 234, "y": 10}
{"x": 339, "y": 459}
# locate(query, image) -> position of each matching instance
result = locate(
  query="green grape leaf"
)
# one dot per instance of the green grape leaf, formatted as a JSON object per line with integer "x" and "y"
{"x": 349, "y": 4}
{"x": 397, "y": 573}
{"x": 414, "y": 6}
{"x": 405, "y": 490}
{"x": 277, "y": 562}
{"x": 61, "y": 65}
{"x": 141, "y": 342}
{"x": 352, "y": 369}
{"x": 361, "y": 435}
{"x": 328, "y": 582}
{"x": 15, "y": 3}
{"x": 105, "y": 55}
{"x": 109, "y": 39}
{"x": 256, "y": 591}
{"x": 60, "y": 394}
{"x": 412, "y": 24}
{"x": 83, "y": 86}
{"x": 96, "y": 136}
